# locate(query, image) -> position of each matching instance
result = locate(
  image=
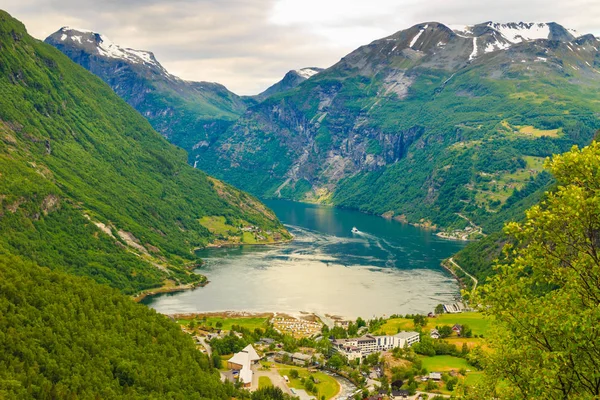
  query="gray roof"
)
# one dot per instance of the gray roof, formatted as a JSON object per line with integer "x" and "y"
{"x": 405, "y": 334}
{"x": 301, "y": 356}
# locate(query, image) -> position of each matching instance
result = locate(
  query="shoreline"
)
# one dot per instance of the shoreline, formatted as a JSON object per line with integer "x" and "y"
{"x": 231, "y": 244}
{"x": 169, "y": 289}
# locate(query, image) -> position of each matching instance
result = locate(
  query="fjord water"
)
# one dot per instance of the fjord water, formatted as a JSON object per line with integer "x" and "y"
{"x": 386, "y": 268}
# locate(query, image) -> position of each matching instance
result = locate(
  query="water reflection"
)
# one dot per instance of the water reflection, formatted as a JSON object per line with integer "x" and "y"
{"x": 386, "y": 268}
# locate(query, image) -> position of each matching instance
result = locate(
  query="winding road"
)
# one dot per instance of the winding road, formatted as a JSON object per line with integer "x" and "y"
{"x": 475, "y": 281}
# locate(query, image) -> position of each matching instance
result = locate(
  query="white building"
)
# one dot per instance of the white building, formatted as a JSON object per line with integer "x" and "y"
{"x": 365, "y": 345}
{"x": 242, "y": 362}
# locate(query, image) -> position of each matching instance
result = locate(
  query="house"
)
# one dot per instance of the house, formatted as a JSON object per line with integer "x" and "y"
{"x": 435, "y": 376}
{"x": 241, "y": 364}
{"x": 399, "y": 394}
{"x": 457, "y": 328}
{"x": 300, "y": 359}
{"x": 430, "y": 315}
{"x": 266, "y": 341}
{"x": 434, "y": 334}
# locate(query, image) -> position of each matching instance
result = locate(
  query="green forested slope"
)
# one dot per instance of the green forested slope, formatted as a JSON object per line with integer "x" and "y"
{"x": 420, "y": 131}
{"x": 66, "y": 337}
{"x": 75, "y": 157}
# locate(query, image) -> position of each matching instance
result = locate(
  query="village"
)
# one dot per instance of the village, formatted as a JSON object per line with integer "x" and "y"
{"x": 401, "y": 357}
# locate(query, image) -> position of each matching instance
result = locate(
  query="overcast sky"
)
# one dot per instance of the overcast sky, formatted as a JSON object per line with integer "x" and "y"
{"x": 248, "y": 45}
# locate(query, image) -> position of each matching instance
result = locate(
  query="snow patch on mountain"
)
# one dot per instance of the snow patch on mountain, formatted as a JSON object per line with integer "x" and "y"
{"x": 106, "y": 48}
{"x": 306, "y": 72}
{"x": 518, "y": 32}
{"x": 417, "y": 36}
{"x": 474, "y": 52}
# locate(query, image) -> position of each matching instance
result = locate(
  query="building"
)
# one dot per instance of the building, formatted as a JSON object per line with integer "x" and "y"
{"x": 457, "y": 328}
{"x": 400, "y": 394}
{"x": 454, "y": 308}
{"x": 436, "y": 376}
{"x": 242, "y": 363}
{"x": 360, "y": 347}
{"x": 282, "y": 356}
{"x": 434, "y": 334}
{"x": 300, "y": 359}
{"x": 407, "y": 339}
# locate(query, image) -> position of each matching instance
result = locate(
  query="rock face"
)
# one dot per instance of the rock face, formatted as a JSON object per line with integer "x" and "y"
{"x": 182, "y": 111}
{"x": 292, "y": 79}
{"x": 425, "y": 124}
{"x": 409, "y": 123}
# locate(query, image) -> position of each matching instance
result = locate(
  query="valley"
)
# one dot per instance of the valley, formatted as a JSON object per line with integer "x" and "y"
{"x": 417, "y": 220}
{"x": 397, "y": 127}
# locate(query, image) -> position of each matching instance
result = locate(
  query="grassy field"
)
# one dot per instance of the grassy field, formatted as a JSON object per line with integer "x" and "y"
{"x": 218, "y": 225}
{"x": 444, "y": 363}
{"x": 264, "y": 381}
{"x": 474, "y": 320}
{"x": 327, "y": 385}
{"x": 471, "y": 342}
{"x": 246, "y": 322}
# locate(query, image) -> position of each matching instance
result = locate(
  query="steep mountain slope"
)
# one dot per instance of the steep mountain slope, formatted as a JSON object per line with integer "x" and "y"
{"x": 182, "y": 111}
{"x": 429, "y": 125}
{"x": 66, "y": 337}
{"x": 87, "y": 186}
{"x": 292, "y": 79}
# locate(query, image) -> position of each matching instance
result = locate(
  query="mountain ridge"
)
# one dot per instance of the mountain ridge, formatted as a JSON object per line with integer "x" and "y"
{"x": 87, "y": 185}
{"x": 359, "y": 126}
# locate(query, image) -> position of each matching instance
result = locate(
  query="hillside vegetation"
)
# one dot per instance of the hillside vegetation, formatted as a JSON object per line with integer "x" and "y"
{"x": 545, "y": 299}
{"x": 87, "y": 186}
{"x": 66, "y": 337}
{"x": 420, "y": 132}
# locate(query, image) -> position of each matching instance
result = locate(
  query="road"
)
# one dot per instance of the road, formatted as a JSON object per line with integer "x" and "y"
{"x": 204, "y": 343}
{"x": 272, "y": 374}
{"x": 451, "y": 259}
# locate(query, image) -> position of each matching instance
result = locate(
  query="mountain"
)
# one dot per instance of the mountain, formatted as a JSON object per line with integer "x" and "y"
{"x": 432, "y": 125}
{"x": 67, "y": 337}
{"x": 292, "y": 79}
{"x": 88, "y": 187}
{"x": 184, "y": 112}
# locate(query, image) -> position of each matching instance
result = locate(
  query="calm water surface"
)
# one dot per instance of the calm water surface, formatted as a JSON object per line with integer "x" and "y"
{"x": 387, "y": 268}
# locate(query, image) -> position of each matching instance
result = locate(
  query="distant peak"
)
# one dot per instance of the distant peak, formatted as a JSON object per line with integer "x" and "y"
{"x": 308, "y": 72}
{"x": 70, "y": 28}
{"x": 102, "y": 45}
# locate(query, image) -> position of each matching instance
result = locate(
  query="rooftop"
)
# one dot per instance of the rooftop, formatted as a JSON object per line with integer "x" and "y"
{"x": 406, "y": 335}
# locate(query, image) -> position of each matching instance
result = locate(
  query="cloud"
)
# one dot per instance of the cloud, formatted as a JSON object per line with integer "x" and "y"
{"x": 249, "y": 44}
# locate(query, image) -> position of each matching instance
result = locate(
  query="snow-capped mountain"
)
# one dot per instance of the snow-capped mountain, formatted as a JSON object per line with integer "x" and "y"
{"x": 292, "y": 79}
{"x": 176, "y": 108}
{"x": 100, "y": 45}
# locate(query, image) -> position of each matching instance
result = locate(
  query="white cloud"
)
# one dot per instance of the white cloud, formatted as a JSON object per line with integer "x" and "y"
{"x": 249, "y": 44}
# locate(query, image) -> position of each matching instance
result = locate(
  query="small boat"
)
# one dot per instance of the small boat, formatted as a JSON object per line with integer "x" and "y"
{"x": 354, "y": 230}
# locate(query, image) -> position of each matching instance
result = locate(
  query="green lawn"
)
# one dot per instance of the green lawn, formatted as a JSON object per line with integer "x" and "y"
{"x": 474, "y": 320}
{"x": 327, "y": 385}
{"x": 246, "y": 322}
{"x": 264, "y": 381}
{"x": 218, "y": 225}
{"x": 443, "y": 363}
